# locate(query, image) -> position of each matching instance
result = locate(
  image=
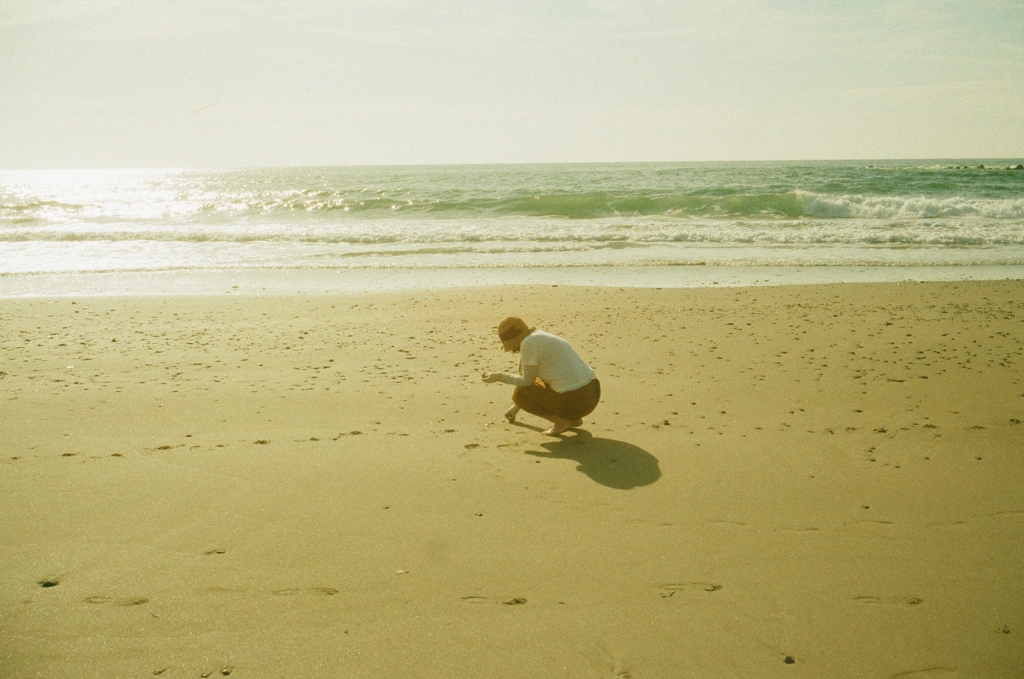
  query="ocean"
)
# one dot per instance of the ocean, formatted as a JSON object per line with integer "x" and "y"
{"x": 339, "y": 228}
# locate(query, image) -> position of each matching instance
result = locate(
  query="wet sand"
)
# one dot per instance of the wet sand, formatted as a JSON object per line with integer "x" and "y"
{"x": 813, "y": 481}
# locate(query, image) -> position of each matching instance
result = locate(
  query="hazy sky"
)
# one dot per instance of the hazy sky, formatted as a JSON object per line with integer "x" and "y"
{"x": 162, "y": 83}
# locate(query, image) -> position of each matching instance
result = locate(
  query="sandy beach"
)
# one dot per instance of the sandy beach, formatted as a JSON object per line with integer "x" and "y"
{"x": 794, "y": 481}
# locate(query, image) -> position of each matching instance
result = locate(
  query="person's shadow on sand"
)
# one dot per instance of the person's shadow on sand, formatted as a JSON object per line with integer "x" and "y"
{"x": 615, "y": 464}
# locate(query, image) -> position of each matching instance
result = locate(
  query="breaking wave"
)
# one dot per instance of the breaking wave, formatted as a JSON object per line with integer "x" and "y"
{"x": 576, "y": 206}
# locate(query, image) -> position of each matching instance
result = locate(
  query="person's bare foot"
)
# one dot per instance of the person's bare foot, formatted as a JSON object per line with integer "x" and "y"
{"x": 578, "y": 422}
{"x": 560, "y": 426}
{"x": 511, "y": 413}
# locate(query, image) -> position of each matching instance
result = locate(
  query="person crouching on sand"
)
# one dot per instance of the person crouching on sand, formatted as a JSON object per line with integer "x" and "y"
{"x": 554, "y": 382}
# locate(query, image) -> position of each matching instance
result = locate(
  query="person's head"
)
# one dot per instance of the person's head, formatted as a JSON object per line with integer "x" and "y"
{"x": 512, "y": 331}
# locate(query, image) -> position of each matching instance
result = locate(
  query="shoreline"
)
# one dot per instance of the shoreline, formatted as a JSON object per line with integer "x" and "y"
{"x": 346, "y": 281}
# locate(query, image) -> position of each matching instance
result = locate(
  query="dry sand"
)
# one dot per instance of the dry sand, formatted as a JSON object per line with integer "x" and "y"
{"x": 820, "y": 481}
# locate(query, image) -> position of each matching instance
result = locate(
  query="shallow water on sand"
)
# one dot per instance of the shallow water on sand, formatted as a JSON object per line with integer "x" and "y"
{"x": 312, "y": 281}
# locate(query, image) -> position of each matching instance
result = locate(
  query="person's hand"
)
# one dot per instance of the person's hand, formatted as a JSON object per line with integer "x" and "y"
{"x": 489, "y": 377}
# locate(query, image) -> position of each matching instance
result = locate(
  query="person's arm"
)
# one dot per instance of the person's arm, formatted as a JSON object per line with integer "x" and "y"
{"x": 527, "y": 379}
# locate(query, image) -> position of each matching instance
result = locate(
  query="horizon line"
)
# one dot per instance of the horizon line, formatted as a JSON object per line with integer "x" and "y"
{"x": 950, "y": 159}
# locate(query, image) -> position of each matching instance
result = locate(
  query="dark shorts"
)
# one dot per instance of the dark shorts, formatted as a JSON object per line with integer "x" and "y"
{"x": 572, "y": 405}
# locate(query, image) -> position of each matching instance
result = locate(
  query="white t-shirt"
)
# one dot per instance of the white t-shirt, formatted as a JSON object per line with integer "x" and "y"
{"x": 557, "y": 362}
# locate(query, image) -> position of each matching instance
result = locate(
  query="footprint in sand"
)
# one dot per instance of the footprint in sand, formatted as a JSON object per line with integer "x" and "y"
{"x": 514, "y": 601}
{"x": 950, "y": 524}
{"x": 672, "y": 589}
{"x": 927, "y": 673}
{"x": 890, "y": 601}
{"x": 224, "y": 671}
{"x": 117, "y": 601}
{"x": 315, "y": 591}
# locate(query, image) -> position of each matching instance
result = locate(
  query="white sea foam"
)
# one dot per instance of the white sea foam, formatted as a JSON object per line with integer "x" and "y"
{"x": 909, "y": 207}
